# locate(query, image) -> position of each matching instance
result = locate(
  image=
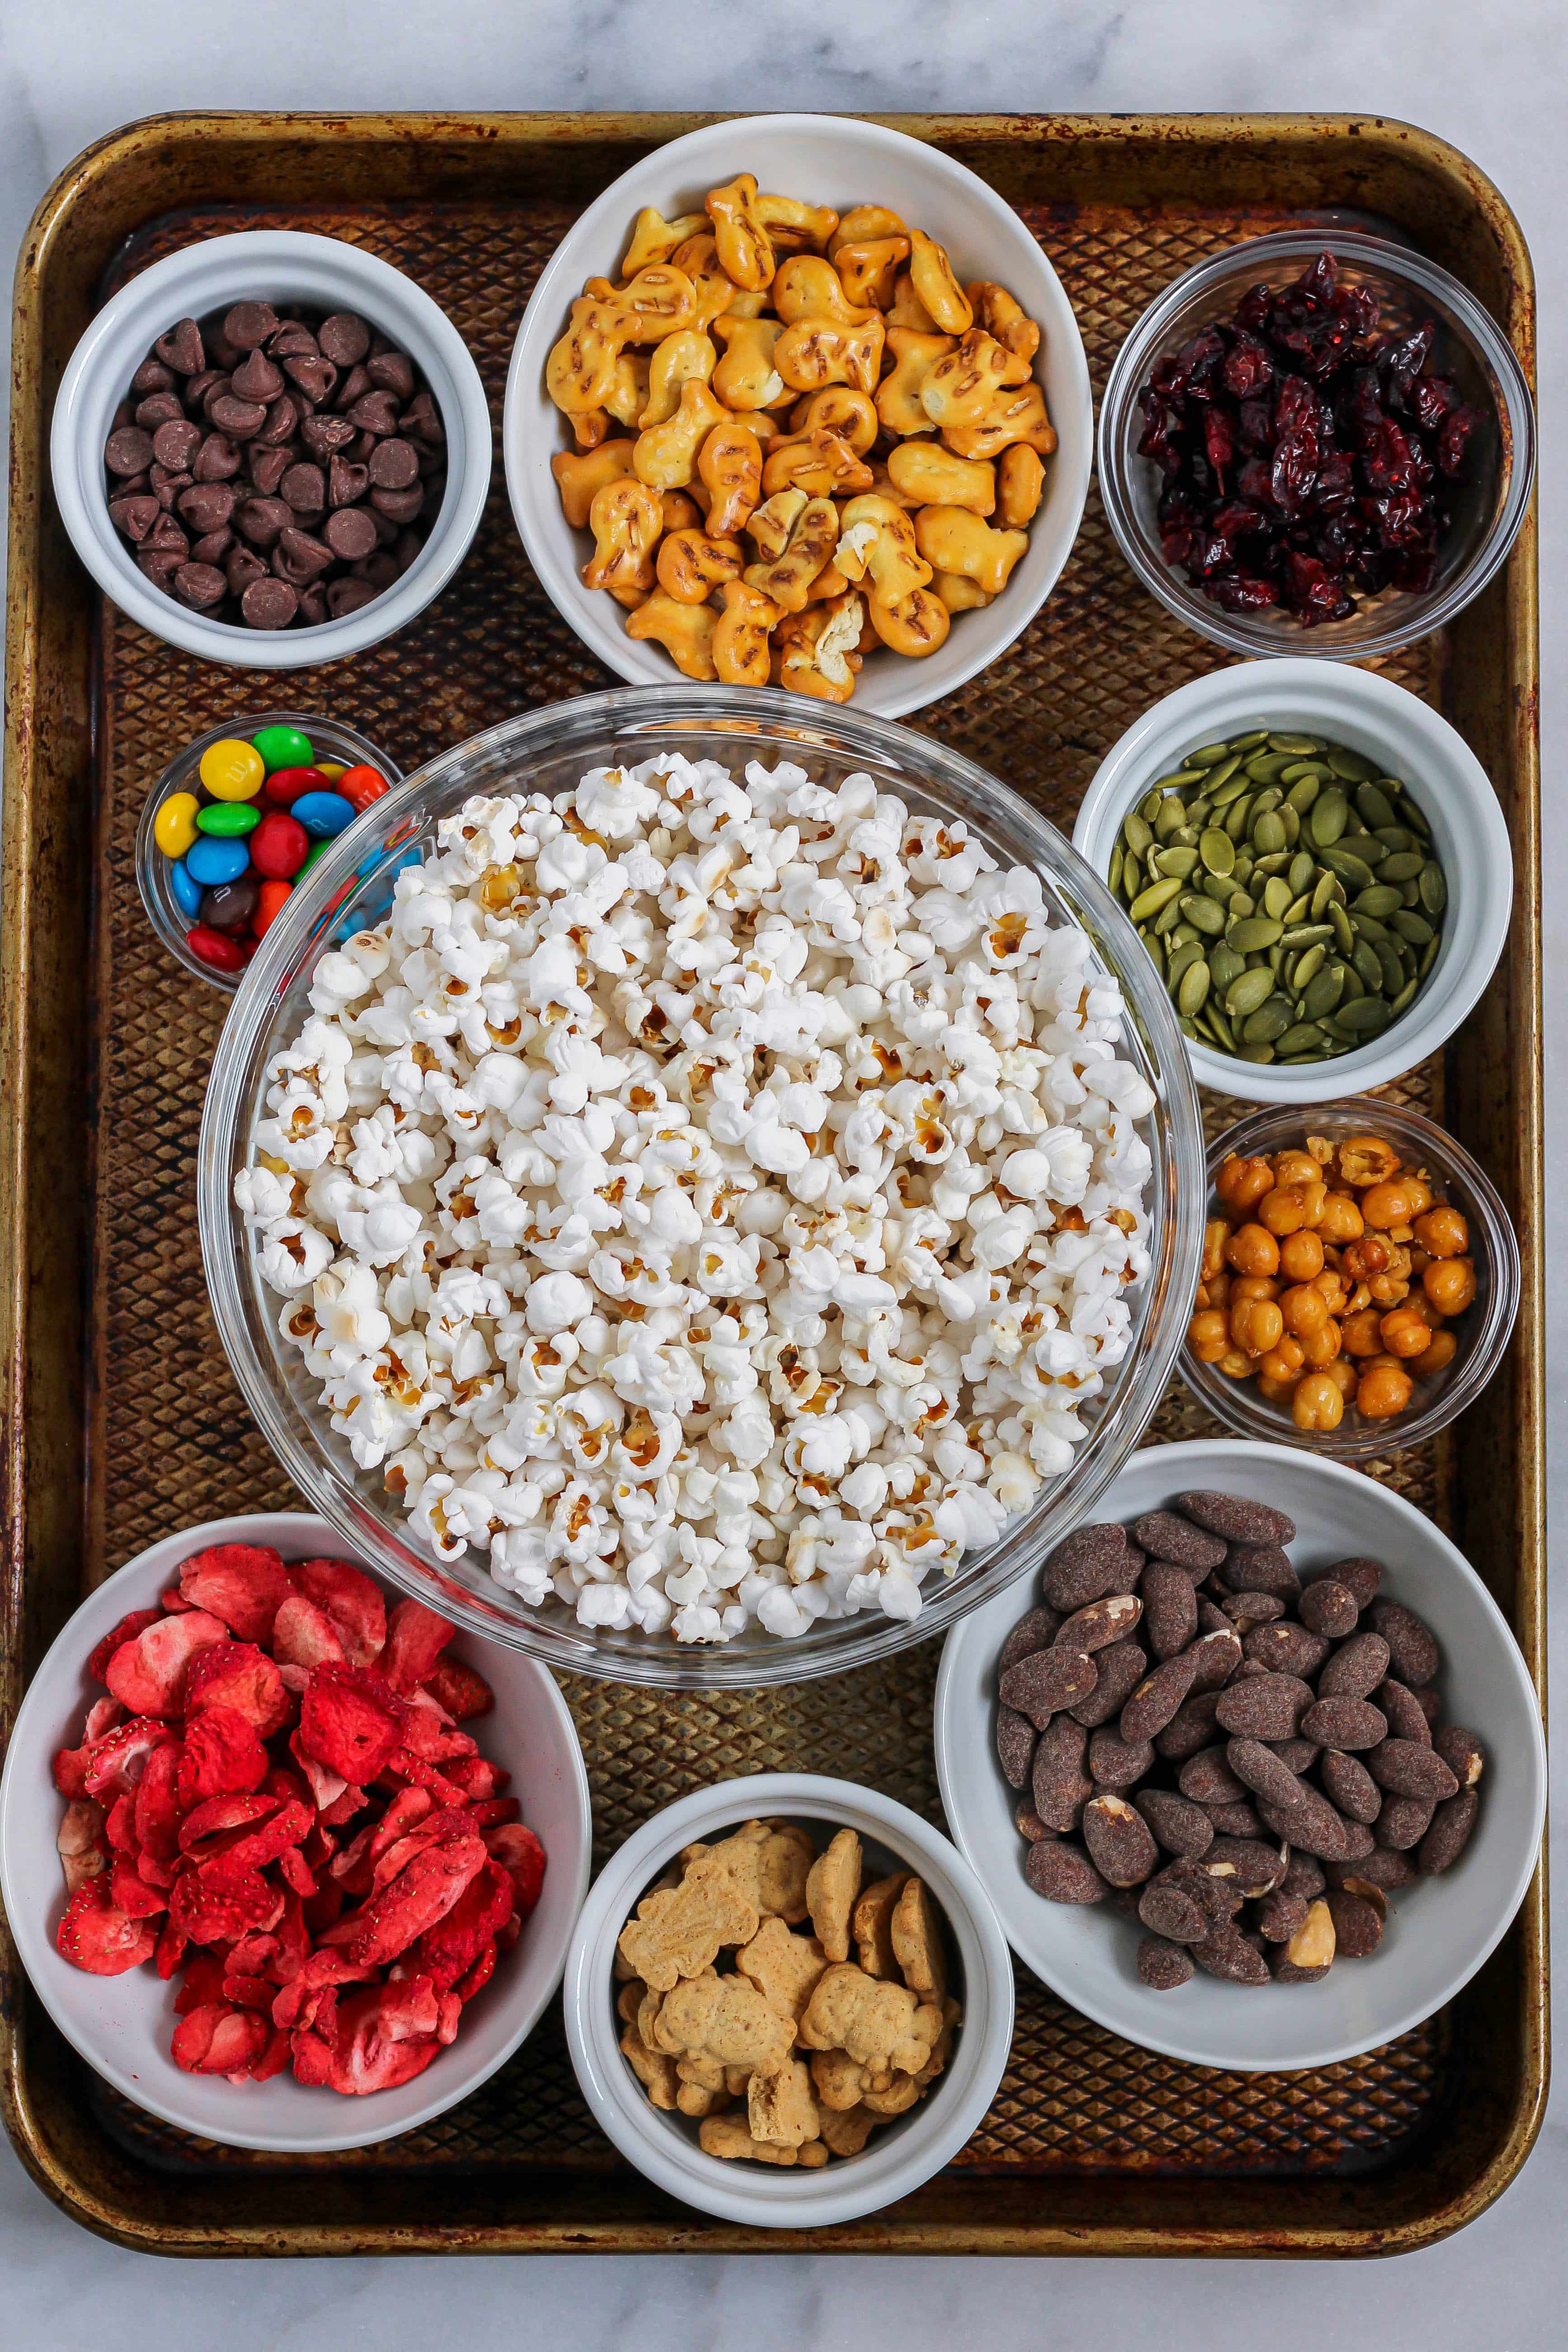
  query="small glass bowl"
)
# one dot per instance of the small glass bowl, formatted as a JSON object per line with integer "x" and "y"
{"x": 352, "y": 887}
{"x": 1482, "y": 1331}
{"x": 164, "y": 912}
{"x": 1488, "y": 506}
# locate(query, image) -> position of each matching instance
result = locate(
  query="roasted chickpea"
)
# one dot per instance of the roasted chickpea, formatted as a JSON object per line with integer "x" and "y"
{"x": 1344, "y": 1374}
{"x": 1389, "y": 1289}
{"x": 1330, "y": 1284}
{"x": 1419, "y": 1304}
{"x": 1366, "y": 1159}
{"x": 1216, "y": 1233}
{"x": 1304, "y": 1309}
{"x": 1243, "y": 1183}
{"x": 1218, "y": 1287}
{"x": 1209, "y": 1336}
{"x": 1393, "y": 1203}
{"x": 1360, "y": 1334}
{"x": 1284, "y": 1362}
{"x": 1442, "y": 1232}
{"x": 1237, "y": 1365}
{"x": 1362, "y": 1259}
{"x": 1318, "y": 1402}
{"x": 1256, "y": 1325}
{"x": 1341, "y": 1220}
{"x": 1404, "y": 1333}
{"x": 1296, "y": 1168}
{"x": 1450, "y": 1285}
{"x": 1435, "y": 1357}
{"x": 1252, "y": 1250}
{"x": 1384, "y": 1389}
{"x": 1275, "y": 1392}
{"x": 1290, "y": 1206}
{"x": 1321, "y": 1347}
{"x": 1301, "y": 1256}
{"x": 1253, "y": 1285}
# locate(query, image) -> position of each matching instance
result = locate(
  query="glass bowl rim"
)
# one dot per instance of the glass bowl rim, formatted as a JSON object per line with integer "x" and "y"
{"x": 1232, "y": 1402}
{"x": 1516, "y": 419}
{"x": 768, "y": 718}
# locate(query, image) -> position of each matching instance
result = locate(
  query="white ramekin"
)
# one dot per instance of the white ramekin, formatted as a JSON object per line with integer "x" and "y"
{"x": 898, "y": 2157}
{"x": 279, "y": 266}
{"x": 827, "y": 159}
{"x": 121, "y": 2025}
{"x": 1369, "y": 714}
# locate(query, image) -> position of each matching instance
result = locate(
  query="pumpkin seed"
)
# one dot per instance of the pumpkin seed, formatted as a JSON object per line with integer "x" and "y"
{"x": 1296, "y": 912}
{"x": 1300, "y": 747}
{"x": 1429, "y": 954}
{"x": 1350, "y": 765}
{"x": 1254, "y": 932}
{"x": 1172, "y": 813}
{"x": 1339, "y": 924}
{"x": 1203, "y": 914}
{"x": 1264, "y": 766}
{"x": 1246, "y": 994}
{"x": 1149, "y": 806}
{"x": 1220, "y": 887}
{"x": 1380, "y": 901}
{"x": 1209, "y": 757}
{"x": 1412, "y": 926}
{"x": 1303, "y": 792}
{"x": 1275, "y": 896}
{"x": 1179, "y": 861}
{"x": 1267, "y": 834}
{"x": 1221, "y": 771}
{"x": 1256, "y": 1054}
{"x": 1237, "y": 814}
{"x": 1194, "y": 989}
{"x": 1242, "y": 904}
{"x": 1113, "y": 876}
{"x": 1367, "y": 1017}
{"x": 1180, "y": 956}
{"x": 1168, "y": 917}
{"x": 1434, "y": 889}
{"x": 1181, "y": 935}
{"x": 1150, "y": 901}
{"x": 1269, "y": 1023}
{"x": 1308, "y": 963}
{"x": 1393, "y": 969}
{"x": 1224, "y": 964}
{"x": 1303, "y": 1038}
{"x": 1222, "y": 1028}
{"x": 1364, "y": 957}
{"x": 1234, "y": 786}
{"x": 1324, "y": 891}
{"x": 1374, "y": 806}
{"x": 1316, "y": 771}
{"x": 1303, "y": 869}
{"x": 1217, "y": 850}
{"x": 1404, "y": 997}
{"x": 1329, "y": 817}
{"x": 1323, "y": 993}
{"x": 1350, "y": 868}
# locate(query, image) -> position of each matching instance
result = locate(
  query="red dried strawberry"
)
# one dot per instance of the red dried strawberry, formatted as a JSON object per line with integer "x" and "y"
{"x": 116, "y": 1763}
{"x": 218, "y": 2039}
{"x": 158, "y": 1802}
{"x": 416, "y": 1637}
{"x": 363, "y": 2059}
{"x": 405, "y": 1767}
{"x": 237, "y": 1674}
{"x": 477, "y": 1778}
{"x": 428, "y": 1731}
{"x": 252, "y": 1849}
{"x": 126, "y": 1631}
{"x": 272, "y": 2060}
{"x": 81, "y": 1842}
{"x": 343, "y": 1808}
{"x": 244, "y": 1584}
{"x": 298, "y": 2002}
{"x": 449, "y": 1949}
{"x": 222, "y": 1756}
{"x": 522, "y": 1857}
{"x": 201, "y": 1982}
{"x": 352, "y": 1603}
{"x": 459, "y": 1689}
{"x": 408, "y": 2009}
{"x": 303, "y": 1637}
{"x": 104, "y": 1716}
{"x": 356, "y": 1862}
{"x": 173, "y": 1944}
{"x": 393, "y": 1855}
{"x": 131, "y": 1893}
{"x": 419, "y": 1895}
{"x": 478, "y": 1977}
{"x": 249, "y": 1992}
{"x": 325, "y": 1787}
{"x": 293, "y": 1941}
{"x": 492, "y": 1811}
{"x": 214, "y": 1911}
{"x": 173, "y": 1601}
{"x": 94, "y": 1933}
{"x": 120, "y": 1828}
{"x": 350, "y": 1721}
{"x": 149, "y": 1673}
{"x": 218, "y": 1815}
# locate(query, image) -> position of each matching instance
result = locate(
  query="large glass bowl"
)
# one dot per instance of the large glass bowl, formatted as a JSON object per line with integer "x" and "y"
{"x": 1488, "y": 506}
{"x": 351, "y": 888}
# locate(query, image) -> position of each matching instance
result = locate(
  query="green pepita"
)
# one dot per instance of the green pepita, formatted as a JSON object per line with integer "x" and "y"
{"x": 1203, "y": 914}
{"x": 1393, "y": 969}
{"x": 1246, "y": 994}
{"x": 1323, "y": 993}
{"x": 1308, "y": 963}
{"x": 1364, "y": 957}
{"x": 1412, "y": 926}
{"x": 1330, "y": 814}
{"x": 1178, "y": 860}
{"x": 1253, "y": 933}
{"x": 1350, "y": 765}
{"x": 1150, "y": 901}
{"x": 1224, "y": 964}
{"x": 1367, "y": 1017}
{"x": 1434, "y": 889}
{"x": 1300, "y": 1040}
{"x": 1405, "y": 998}
{"x": 1217, "y": 850}
{"x": 1269, "y": 1023}
{"x": 1380, "y": 901}
{"x": 1350, "y": 869}
{"x": 1194, "y": 989}
{"x": 1267, "y": 834}
{"x": 1237, "y": 814}
{"x": 1167, "y": 919}
{"x": 1339, "y": 924}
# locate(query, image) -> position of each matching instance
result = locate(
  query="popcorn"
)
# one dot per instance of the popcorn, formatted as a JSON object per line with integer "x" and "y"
{"x": 709, "y": 1203}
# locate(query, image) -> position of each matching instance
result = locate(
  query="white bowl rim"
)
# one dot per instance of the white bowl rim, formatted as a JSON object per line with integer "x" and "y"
{"x": 1329, "y": 693}
{"x": 258, "y": 258}
{"x": 541, "y": 325}
{"x": 26, "y": 1916}
{"x": 947, "y": 1729}
{"x": 847, "y": 2189}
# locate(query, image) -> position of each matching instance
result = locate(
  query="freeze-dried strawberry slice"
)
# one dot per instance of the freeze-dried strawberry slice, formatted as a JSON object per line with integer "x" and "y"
{"x": 416, "y": 1637}
{"x": 94, "y": 1934}
{"x": 81, "y": 1842}
{"x": 351, "y": 1721}
{"x": 216, "y": 1910}
{"x": 218, "y": 2039}
{"x": 427, "y": 1731}
{"x": 173, "y": 1944}
{"x": 419, "y": 1895}
{"x": 172, "y": 1600}
{"x": 325, "y": 1787}
{"x": 492, "y": 1811}
{"x": 354, "y": 1866}
{"x": 477, "y": 1778}
{"x": 218, "y": 1815}
{"x": 249, "y": 1992}
{"x": 104, "y": 1716}
{"x": 408, "y": 2009}
{"x": 244, "y": 1584}
{"x": 293, "y": 1941}
{"x": 449, "y": 1949}
{"x": 253, "y": 1849}
{"x": 107, "y": 1768}
{"x": 394, "y": 1855}
{"x": 237, "y": 1674}
{"x": 478, "y": 1977}
{"x": 343, "y": 1808}
{"x": 459, "y": 1689}
{"x": 321, "y": 1909}
{"x": 298, "y": 2002}
{"x": 120, "y": 1828}
{"x": 522, "y": 1858}
{"x": 222, "y": 1756}
{"x": 201, "y": 1982}
{"x": 303, "y": 1637}
{"x": 407, "y": 1768}
{"x": 158, "y": 1802}
{"x": 295, "y": 1871}
{"x": 149, "y": 1674}
{"x": 272, "y": 2060}
{"x": 126, "y": 1631}
{"x": 353, "y": 1603}
{"x": 362, "y": 2059}
{"x": 131, "y": 1893}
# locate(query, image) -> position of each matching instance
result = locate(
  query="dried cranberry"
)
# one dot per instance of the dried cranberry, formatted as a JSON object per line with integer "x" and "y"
{"x": 1252, "y": 310}
{"x": 1454, "y": 437}
{"x": 1219, "y": 442}
{"x": 1401, "y": 358}
{"x": 1335, "y": 487}
{"x": 1312, "y": 595}
{"x": 1247, "y": 369}
{"x": 1243, "y": 592}
{"x": 1431, "y": 399}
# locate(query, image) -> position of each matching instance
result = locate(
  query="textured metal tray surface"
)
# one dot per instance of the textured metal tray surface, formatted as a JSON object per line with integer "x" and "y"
{"x": 1090, "y": 2142}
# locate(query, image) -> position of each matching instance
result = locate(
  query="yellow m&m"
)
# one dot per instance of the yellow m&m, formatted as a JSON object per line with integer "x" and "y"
{"x": 175, "y": 827}
{"x": 231, "y": 771}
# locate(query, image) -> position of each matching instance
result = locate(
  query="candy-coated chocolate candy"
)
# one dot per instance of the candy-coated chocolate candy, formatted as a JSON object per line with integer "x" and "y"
{"x": 283, "y": 747}
{"x": 228, "y": 820}
{"x": 322, "y": 813}
{"x": 284, "y": 788}
{"x": 175, "y": 827}
{"x": 210, "y": 862}
{"x": 231, "y": 904}
{"x": 270, "y": 905}
{"x": 279, "y": 845}
{"x": 216, "y": 948}
{"x": 331, "y": 769}
{"x": 232, "y": 770}
{"x": 360, "y": 786}
{"x": 187, "y": 893}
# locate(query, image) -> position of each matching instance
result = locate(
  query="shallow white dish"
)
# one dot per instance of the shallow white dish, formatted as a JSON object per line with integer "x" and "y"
{"x": 1368, "y": 714}
{"x": 823, "y": 159}
{"x": 121, "y": 2025}
{"x": 901, "y": 2155}
{"x": 275, "y": 265}
{"x": 1439, "y": 1930}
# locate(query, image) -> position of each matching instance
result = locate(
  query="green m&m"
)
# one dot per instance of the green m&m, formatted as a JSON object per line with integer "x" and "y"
{"x": 283, "y": 747}
{"x": 228, "y": 819}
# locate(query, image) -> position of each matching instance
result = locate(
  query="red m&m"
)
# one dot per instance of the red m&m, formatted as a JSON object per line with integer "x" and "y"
{"x": 279, "y": 846}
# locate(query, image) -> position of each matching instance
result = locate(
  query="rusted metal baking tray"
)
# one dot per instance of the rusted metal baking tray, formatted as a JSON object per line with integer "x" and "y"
{"x": 121, "y": 1421}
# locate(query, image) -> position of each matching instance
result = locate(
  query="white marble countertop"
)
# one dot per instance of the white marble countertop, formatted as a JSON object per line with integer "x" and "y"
{"x": 1493, "y": 81}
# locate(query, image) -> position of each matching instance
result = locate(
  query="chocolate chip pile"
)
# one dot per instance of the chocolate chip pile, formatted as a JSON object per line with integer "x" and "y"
{"x": 1247, "y": 1765}
{"x": 268, "y": 471}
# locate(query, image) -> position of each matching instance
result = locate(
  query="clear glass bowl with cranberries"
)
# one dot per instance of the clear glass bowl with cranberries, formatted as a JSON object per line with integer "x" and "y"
{"x": 1316, "y": 443}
